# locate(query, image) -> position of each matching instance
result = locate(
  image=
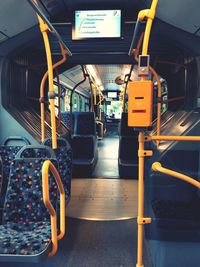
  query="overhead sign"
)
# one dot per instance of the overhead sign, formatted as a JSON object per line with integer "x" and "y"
{"x": 97, "y": 24}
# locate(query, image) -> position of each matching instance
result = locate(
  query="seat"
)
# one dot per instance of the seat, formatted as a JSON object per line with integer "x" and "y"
{"x": 128, "y": 150}
{"x": 26, "y": 228}
{"x": 64, "y": 158}
{"x": 100, "y": 129}
{"x": 8, "y": 151}
{"x": 65, "y": 117}
{"x": 84, "y": 143}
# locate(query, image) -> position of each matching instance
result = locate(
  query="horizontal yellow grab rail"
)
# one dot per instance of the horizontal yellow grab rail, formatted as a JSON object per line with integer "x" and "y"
{"x": 48, "y": 165}
{"x": 156, "y": 166}
{"x": 172, "y": 138}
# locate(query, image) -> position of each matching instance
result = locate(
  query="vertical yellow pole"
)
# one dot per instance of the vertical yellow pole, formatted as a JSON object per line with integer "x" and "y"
{"x": 42, "y": 107}
{"x": 141, "y": 220}
{"x": 44, "y": 29}
{"x": 140, "y": 198}
{"x": 95, "y": 94}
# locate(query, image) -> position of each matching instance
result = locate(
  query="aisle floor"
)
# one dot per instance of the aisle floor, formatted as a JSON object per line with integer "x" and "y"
{"x": 95, "y": 244}
{"x": 107, "y": 164}
{"x": 103, "y": 199}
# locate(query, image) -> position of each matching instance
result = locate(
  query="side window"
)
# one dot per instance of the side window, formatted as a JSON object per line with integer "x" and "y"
{"x": 164, "y": 90}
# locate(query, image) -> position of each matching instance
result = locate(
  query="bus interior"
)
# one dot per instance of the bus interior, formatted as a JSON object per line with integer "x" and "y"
{"x": 99, "y": 133}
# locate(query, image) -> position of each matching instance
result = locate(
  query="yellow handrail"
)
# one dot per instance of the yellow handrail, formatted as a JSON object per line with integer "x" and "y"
{"x": 101, "y": 97}
{"x": 156, "y": 166}
{"x": 148, "y": 14}
{"x": 42, "y": 85}
{"x": 172, "y": 138}
{"x": 94, "y": 94}
{"x": 44, "y": 29}
{"x": 48, "y": 165}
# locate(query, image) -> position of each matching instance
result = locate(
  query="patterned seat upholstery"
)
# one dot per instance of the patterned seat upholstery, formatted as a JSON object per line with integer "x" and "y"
{"x": 65, "y": 117}
{"x": 25, "y": 228}
{"x": 64, "y": 158}
{"x": 7, "y": 153}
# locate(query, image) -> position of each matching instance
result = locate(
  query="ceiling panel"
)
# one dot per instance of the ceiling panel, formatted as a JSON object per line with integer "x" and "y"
{"x": 108, "y": 74}
{"x": 183, "y": 14}
{"x": 16, "y": 16}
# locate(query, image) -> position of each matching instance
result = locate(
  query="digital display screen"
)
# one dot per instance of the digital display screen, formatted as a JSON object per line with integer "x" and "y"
{"x": 97, "y": 24}
{"x": 112, "y": 95}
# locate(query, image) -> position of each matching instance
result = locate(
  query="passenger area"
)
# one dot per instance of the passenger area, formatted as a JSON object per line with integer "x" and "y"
{"x": 101, "y": 100}
{"x": 84, "y": 142}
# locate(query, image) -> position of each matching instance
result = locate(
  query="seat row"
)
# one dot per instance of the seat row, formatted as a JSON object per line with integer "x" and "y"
{"x": 83, "y": 141}
{"x": 25, "y": 224}
{"x": 84, "y": 145}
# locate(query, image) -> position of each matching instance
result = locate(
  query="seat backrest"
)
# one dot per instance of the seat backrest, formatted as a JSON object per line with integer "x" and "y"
{"x": 24, "y": 202}
{"x": 124, "y": 130}
{"x": 65, "y": 117}
{"x": 8, "y": 154}
{"x": 84, "y": 123}
{"x": 84, "y": 147}
{"x": 128, "y": 148}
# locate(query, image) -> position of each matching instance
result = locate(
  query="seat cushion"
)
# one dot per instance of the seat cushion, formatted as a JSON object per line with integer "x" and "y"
{"x": 24, "y": 238}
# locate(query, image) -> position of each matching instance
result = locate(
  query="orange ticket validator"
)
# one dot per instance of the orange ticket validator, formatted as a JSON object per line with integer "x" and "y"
{"x": 140, "y": 103}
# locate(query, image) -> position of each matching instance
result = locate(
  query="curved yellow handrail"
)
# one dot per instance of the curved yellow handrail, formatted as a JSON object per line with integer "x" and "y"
{"x": 156, "y": 166}
{"x": 44, "y": 29}
{"x": 42, "y": 86}
{"x": 48, "y": 165}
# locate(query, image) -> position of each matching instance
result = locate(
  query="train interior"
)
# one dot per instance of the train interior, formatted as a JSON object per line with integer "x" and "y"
{"x": 97, "y": 149}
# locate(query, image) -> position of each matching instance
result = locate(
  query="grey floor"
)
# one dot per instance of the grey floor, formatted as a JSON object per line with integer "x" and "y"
{"x": 107, "y": 164}
{"x": 95, "y": 244}
{"x": 103, "y": 199}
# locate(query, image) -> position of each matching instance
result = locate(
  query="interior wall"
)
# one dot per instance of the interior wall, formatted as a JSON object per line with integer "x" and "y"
{"x": 21, "y": 81}
{"x": 8, "y": 125}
